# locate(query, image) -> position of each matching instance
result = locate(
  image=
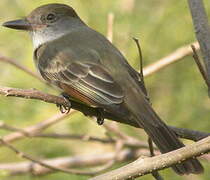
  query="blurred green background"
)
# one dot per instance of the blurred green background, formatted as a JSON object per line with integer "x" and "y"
{"x": 178, "y": 92}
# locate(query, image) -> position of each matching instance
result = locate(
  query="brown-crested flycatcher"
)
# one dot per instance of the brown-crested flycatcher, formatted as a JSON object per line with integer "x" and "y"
{"x": 90, "y": 69}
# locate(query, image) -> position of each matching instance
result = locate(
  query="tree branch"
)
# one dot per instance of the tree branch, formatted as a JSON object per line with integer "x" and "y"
{"x": 19, "y": 168}
{"x": 34, "y": 94}
{"x": 200, "y": 66}
{"x": 73, "y": 162}
{"x": 46, "y": 165}
{"x": 19, "y": 66}
{"x": 37, "y": 128}
{"x": 35, "y": 132}
{"x": 144, "y": 166}
{"x": 175, "y": 56}
{"x": 202, "y": 31}
{"x": 90, "y": 111}
{"x": 110, "y": 22}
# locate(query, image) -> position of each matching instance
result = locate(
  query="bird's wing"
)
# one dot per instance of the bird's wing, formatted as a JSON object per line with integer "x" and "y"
{"x": 86, "y": 81}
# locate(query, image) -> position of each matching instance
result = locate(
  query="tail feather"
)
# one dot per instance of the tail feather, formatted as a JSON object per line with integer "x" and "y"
{"x": 167, "y": 141}
{"x": 136, "y": 107}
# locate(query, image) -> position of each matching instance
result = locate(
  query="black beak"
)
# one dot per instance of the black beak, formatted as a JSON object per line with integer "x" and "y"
{"x": 20, "y": 24}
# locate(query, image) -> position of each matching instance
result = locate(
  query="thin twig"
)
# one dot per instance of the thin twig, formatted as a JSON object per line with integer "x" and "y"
{"x": 134, "y": 143}
{"x": 74, "y": 137}
{"x": 127, "y": 140}
{"x": 118, "y": 147}
{"x": 36, "y": 132}
{"x": 114, "y": 128}
{"x": 10, "y": 128}
{"x": 54, "y": 168}
{"x": 34, "y": 129}
{"x": 144, "y": 166}
{"x": 90, "y": 111}
{"x": 110, "y": 22}
{"x": 25, "y": 156}
{"x": 151, "y": 148}
{"x": 155, "y": 174}
{"x": 202, "y": 31}
{"x": 19, "y": 66}
{"x": 140, "y": 59}
{"x": 52, "y": 100}
{"x": 81, "y": 161}
{"x": 141, "y": 80}
{"x": 189, "y": 133}
{"x": 200, "y": 66}
{"x": 173, "y": 57}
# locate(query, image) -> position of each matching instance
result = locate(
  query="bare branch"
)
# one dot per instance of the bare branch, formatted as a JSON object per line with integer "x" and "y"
{"x": 175, "y": 56}
{"x": 110, "y": 22}
{"x": 52, "y": 167}
{"x": 155, "y": 174}
{"x": 18, "y": 168}
{"x": 74, "y": 137}
{"x": 31, "y": 94}
{"x": 200, "y": 66}
{"x": 140, "y": 59}
{"x": 189, "y": 134}
{"x": 34, "y": 94}
{"x": 202, "y": 30}
{"x": 73, "y": 162}
{"x": 37, "y": 128}
{"x": 9, "y": 128}
{"x": 90, "y": 111}
{"x": 133, "y": 143}
{"x": 141, "y": 80}
{"x": 144, "y": 166}
{"x": 19, "y": 66}
{"x": 118, "y": 147}
{"x": 114, "y": 128}
{"x": 35, "y": 131}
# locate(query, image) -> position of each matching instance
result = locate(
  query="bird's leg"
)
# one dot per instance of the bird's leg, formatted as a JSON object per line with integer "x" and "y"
{"x": 155, "y": 174}
{"x": 100, "y": 116}
{"x": 67, "y": 107}
{"x": 151, "y": 148}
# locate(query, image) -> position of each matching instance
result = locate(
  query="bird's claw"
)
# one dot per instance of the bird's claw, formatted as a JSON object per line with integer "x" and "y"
{"x": 100, "y": 117}
{"x": 100, "y": 120}
{"x": 65, "y": 108}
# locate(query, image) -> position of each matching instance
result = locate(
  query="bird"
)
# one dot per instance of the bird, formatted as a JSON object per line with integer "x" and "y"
{"x": 88, "y": 68}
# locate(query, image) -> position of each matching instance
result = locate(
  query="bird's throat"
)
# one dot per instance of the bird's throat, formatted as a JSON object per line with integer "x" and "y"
{"x": 51, "y": 33}
{"x": 41, "y": 37}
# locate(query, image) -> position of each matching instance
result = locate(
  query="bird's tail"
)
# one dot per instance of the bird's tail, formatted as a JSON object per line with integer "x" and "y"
{"x": 167, "y": 141}
{"x": 138, "y": 109}
{"x": 164, "y": 138}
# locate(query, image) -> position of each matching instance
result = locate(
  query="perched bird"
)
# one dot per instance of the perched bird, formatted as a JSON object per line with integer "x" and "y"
{"x": 90, "y": 69}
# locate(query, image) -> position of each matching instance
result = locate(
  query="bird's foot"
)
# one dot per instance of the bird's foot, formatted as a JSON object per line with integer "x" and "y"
{"x": 67, "y": 106}
{"x": 100, "y": 117}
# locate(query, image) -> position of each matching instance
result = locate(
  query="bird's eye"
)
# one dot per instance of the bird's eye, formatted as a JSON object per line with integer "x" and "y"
{"x": 51, "y": 17}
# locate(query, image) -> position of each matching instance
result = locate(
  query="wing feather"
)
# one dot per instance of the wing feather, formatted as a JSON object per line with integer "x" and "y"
{"x": 91, "y": 80}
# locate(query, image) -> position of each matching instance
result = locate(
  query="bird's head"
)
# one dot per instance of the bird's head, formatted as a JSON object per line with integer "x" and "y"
{"x": 47, "y": 22}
